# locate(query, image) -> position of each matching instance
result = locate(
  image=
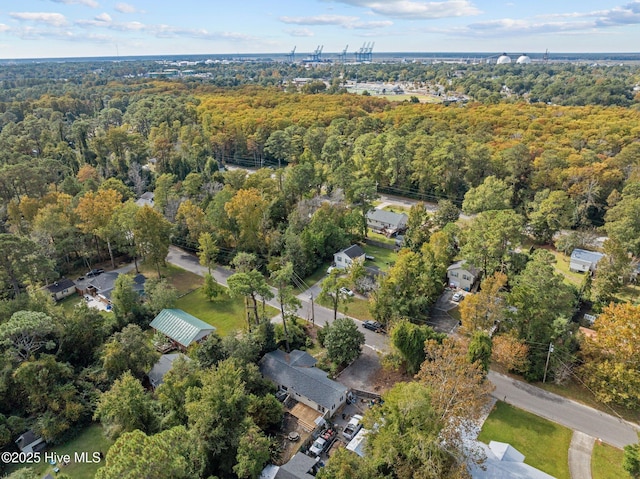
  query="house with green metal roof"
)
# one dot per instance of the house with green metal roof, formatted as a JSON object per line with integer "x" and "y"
{"x": 180, "y": 327}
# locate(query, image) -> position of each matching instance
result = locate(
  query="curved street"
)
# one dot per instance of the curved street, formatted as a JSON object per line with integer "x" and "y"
{"x": 571, "y": 414}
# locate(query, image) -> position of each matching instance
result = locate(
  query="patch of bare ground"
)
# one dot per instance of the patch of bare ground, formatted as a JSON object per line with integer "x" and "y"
{"x": 385, "y": 378}
{"x": 289, "y": 448}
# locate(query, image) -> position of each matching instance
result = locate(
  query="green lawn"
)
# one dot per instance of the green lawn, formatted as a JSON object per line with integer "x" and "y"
{"x": 606, "y": 462}
{"x": 357, "y": 308}
{"x": 184, "y": 281}
{"x": 397, "y": 208}
{"x": 91, "y": 439}
{"x": 384, "y": 258}
{"x": 381, "y": 238}
{"x": 67, "y": 304}
{"x": 544, "y": 444}
{"x": 562, "y": 267}
{"x": 226, "y": 314}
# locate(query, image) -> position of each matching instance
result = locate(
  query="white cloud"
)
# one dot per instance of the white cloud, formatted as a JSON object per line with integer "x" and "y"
{"x": 319, "y": 20}
{"x": 351, "y": 23}
{"x": 53, "y": 19}
{"x": 4, "y": 28}
{"x": 103, "y": 17}
{"x": 299, "y": 32}
{"x": 416, "y": 10}
{"x": 369, "y": 25}
{"x": 564, "y": 23}
{"x": 88, "y": 3}
{"x": 126, "y": 8}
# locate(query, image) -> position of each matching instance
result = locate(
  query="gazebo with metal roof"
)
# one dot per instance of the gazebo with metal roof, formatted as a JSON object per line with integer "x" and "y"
{"x": 181, "y": 327}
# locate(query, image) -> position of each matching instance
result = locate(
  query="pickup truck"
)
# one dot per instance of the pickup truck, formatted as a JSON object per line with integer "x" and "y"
{"x": 323, "y": 442}
{"x": 352, "y": 428}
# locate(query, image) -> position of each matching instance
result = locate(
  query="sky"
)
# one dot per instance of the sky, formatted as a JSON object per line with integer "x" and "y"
{"x": 81, "y": 28}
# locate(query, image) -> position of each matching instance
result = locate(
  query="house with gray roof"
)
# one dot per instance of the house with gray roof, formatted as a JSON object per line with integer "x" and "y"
{"x": 181, "y": 328}
{"x": 296, "y": 373}
{"x": 102, "y": 285}
{"x": 146, "y": 199}
{"x": 583, "y": 260}
{"x": 300, "y": 466}
{"x": 503, "y": 461}
{"x": 61, "y": 289}
{"x": 162, "y": 367}
{"x": 386, "y": 222}
{"x": 29, "y": 442}
{"x": 345, "y": 258}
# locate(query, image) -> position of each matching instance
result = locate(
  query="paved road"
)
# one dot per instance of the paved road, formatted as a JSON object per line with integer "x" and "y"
{"x": 571, "y": 414}
{"x": 322, "y": 315}
{"x": 525, "y": 396}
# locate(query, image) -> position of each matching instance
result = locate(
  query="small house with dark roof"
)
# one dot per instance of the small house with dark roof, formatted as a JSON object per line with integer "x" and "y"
{"x": 162, "y": 367}
{"x": 61, "y": 289}
{"x": 583, "y": 260}
{"x": 181, "y": 328}
{"x": 386, "y": 222}
{"x": 462, "y": 275}
{"x": 296, "y": 373}
{"x": 30, "y": 442}
{"x": 348, "y": 256}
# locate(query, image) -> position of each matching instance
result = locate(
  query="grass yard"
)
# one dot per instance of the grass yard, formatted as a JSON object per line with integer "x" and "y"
{"x": 184, "y": 281}
{"x": 67, "y": 304}
{"x": 606, "y": 462}
{"x": 226, "y": 314}
{"x": 629, "y": 293}
{"x": 397, "y": 208}
{"x": 90, "y": 440}
{"x": 318, "y": 274}
{"x": 381, "y": 238}
{"x": 544, "y": 444}
{"x": 357, "y": 308}
{"x": 384, "y": 258}
{"x": 562, "y": 267}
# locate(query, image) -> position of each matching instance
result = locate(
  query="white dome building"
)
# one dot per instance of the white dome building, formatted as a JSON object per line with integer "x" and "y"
{"x": 504, "y": 59}
{"x": 523, "y": 59}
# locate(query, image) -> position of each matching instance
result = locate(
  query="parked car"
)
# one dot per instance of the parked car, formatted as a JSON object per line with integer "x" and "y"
{"x": 352, "y": 428}
{"x": 457, "y": 297}
{"x": 373, "y": 326}
{"x": 94, "y": 272}
{"x": 324, "y": 442}
{"x": 346, "y": 291}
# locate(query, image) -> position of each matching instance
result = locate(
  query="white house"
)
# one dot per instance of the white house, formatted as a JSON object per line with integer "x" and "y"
{"x": 387, "y": 222}
{"x": 503, "y": 461}
{"x": 462, "y": 275}
{"x": 344, "y": 258}
{"x": 583, "y": 260}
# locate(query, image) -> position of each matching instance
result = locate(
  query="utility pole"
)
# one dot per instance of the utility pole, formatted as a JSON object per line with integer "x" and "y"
{"x": 313, "y": 316}
{"x": 544, "y": 379}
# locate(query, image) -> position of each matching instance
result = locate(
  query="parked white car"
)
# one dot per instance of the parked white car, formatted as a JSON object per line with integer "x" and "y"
{"x": 457, "y": 297}
{"x": 352, "y": 428}
{"x": 346, "y": 291}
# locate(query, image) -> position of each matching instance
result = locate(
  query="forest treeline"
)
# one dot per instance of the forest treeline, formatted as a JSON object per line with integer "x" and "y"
{"x": 75, "y": 155}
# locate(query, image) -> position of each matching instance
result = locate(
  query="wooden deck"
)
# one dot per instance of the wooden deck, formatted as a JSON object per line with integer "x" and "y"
{"x": 306, "y": 416}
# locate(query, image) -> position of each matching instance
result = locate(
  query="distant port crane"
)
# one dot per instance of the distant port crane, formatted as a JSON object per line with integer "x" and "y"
{"x": 292, "y": 55}
{"x": 365, "y": 52}
{"x": 315, "y": 56}
{"x": 342, "y": 57}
